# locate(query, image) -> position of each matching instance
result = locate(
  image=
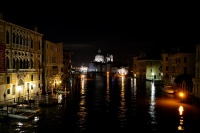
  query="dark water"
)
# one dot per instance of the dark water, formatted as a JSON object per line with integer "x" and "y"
{"x": 103, "y": 104}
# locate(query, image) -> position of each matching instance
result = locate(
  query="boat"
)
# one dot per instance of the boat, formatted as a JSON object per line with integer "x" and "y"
{"x": 21, "y": 115}
{"x": 26, "y": 108}
{"x": 11, "y": 113}
{"x": 62, "y": 92}
{"x": 169, "y": 89}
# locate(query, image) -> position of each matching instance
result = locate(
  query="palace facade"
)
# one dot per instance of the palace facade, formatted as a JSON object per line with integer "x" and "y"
{"x": 20, "y": 61}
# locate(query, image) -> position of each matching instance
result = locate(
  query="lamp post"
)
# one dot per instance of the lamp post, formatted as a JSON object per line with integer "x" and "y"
{"x": 181, "y": 95}
{"x": 28, "y": 93}
{"x": 4, "y": 95}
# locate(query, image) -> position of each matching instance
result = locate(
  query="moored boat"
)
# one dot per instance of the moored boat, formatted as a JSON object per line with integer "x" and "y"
{"x": 169, "y": 89}
{"x": 26, "y": 108}
{"x": 62, "y": 92}
{"x": 21, "y": 115}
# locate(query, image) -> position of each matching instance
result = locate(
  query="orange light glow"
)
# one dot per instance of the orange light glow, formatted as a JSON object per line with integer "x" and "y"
{"x": 181, "y": 94}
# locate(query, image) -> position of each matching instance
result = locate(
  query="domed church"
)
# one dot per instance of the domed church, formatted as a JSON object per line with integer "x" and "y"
{"x": 100, "y": 63}
{"x": 99, "y": 57}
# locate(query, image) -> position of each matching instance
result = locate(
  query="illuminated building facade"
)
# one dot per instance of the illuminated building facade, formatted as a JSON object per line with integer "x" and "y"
{"x": 147, "y": 67}
{"x": 21, "y": 57}
{"x": 53, "y": 65}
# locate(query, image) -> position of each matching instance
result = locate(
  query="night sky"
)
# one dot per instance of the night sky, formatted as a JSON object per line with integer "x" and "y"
{"x": 119, "y": 29}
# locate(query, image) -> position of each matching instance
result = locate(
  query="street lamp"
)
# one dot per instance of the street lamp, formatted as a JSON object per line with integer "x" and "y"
{"x": 181, "y": 94}
{"x": 4, "y": 95}
{"x": 28, "y": 93}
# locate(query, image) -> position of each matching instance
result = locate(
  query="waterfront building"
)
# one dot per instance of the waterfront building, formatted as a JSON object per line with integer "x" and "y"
{"x": 20, "y": 61}
{"x": 53, "y": 66}
{"x": 177, "y": 62}
{"x": 147, "y": 66}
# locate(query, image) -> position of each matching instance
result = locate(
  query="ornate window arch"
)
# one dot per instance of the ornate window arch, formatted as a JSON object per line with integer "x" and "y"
{"x": 7, "y": 37}
{"x": 7, "y": 63}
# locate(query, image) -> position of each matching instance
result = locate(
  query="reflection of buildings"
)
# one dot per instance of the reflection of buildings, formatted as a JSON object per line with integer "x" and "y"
{"x": 53, "y": 65}
{"x": 101, "y": 63}
{"x": 21, "y": 57}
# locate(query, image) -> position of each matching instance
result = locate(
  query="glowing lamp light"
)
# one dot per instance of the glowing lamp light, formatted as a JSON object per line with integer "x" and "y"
{"x": 181, "y": 94}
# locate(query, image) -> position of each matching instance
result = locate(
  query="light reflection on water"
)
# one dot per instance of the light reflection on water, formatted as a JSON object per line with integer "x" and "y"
{"x": 152, "y": 110}
{"x": 122, "y": 107}
{"x": 122, "y": 104}
{"x": 107, "y": 89}
{"x": 82, "y": 112}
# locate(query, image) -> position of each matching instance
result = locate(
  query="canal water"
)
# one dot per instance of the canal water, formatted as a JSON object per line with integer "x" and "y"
{"x": 103, "y": 103}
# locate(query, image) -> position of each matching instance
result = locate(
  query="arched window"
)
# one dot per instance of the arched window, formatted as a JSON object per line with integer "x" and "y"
{"x": 7, "y": 37}
{"x": 26, "y": 41}
{"x": 17, "y": 39}
{"x": 20, "y": 39}
{"x": 31, "y": 63}
{"x": 13, "y": 65}
{"x": 23, "y": 41}
{"x": 13, "y": 37}
{"x": 21, "y": 64}
{"x": 28, "y": 64}
{"x": 31, "y": 42}
{"x": 24, "y": 64}
{"x": 17, "y": 65}
{"x": 7, "y": 63}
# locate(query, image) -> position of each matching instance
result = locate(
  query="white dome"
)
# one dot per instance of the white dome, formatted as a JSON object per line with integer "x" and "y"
{"x": 99, "y": 57}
